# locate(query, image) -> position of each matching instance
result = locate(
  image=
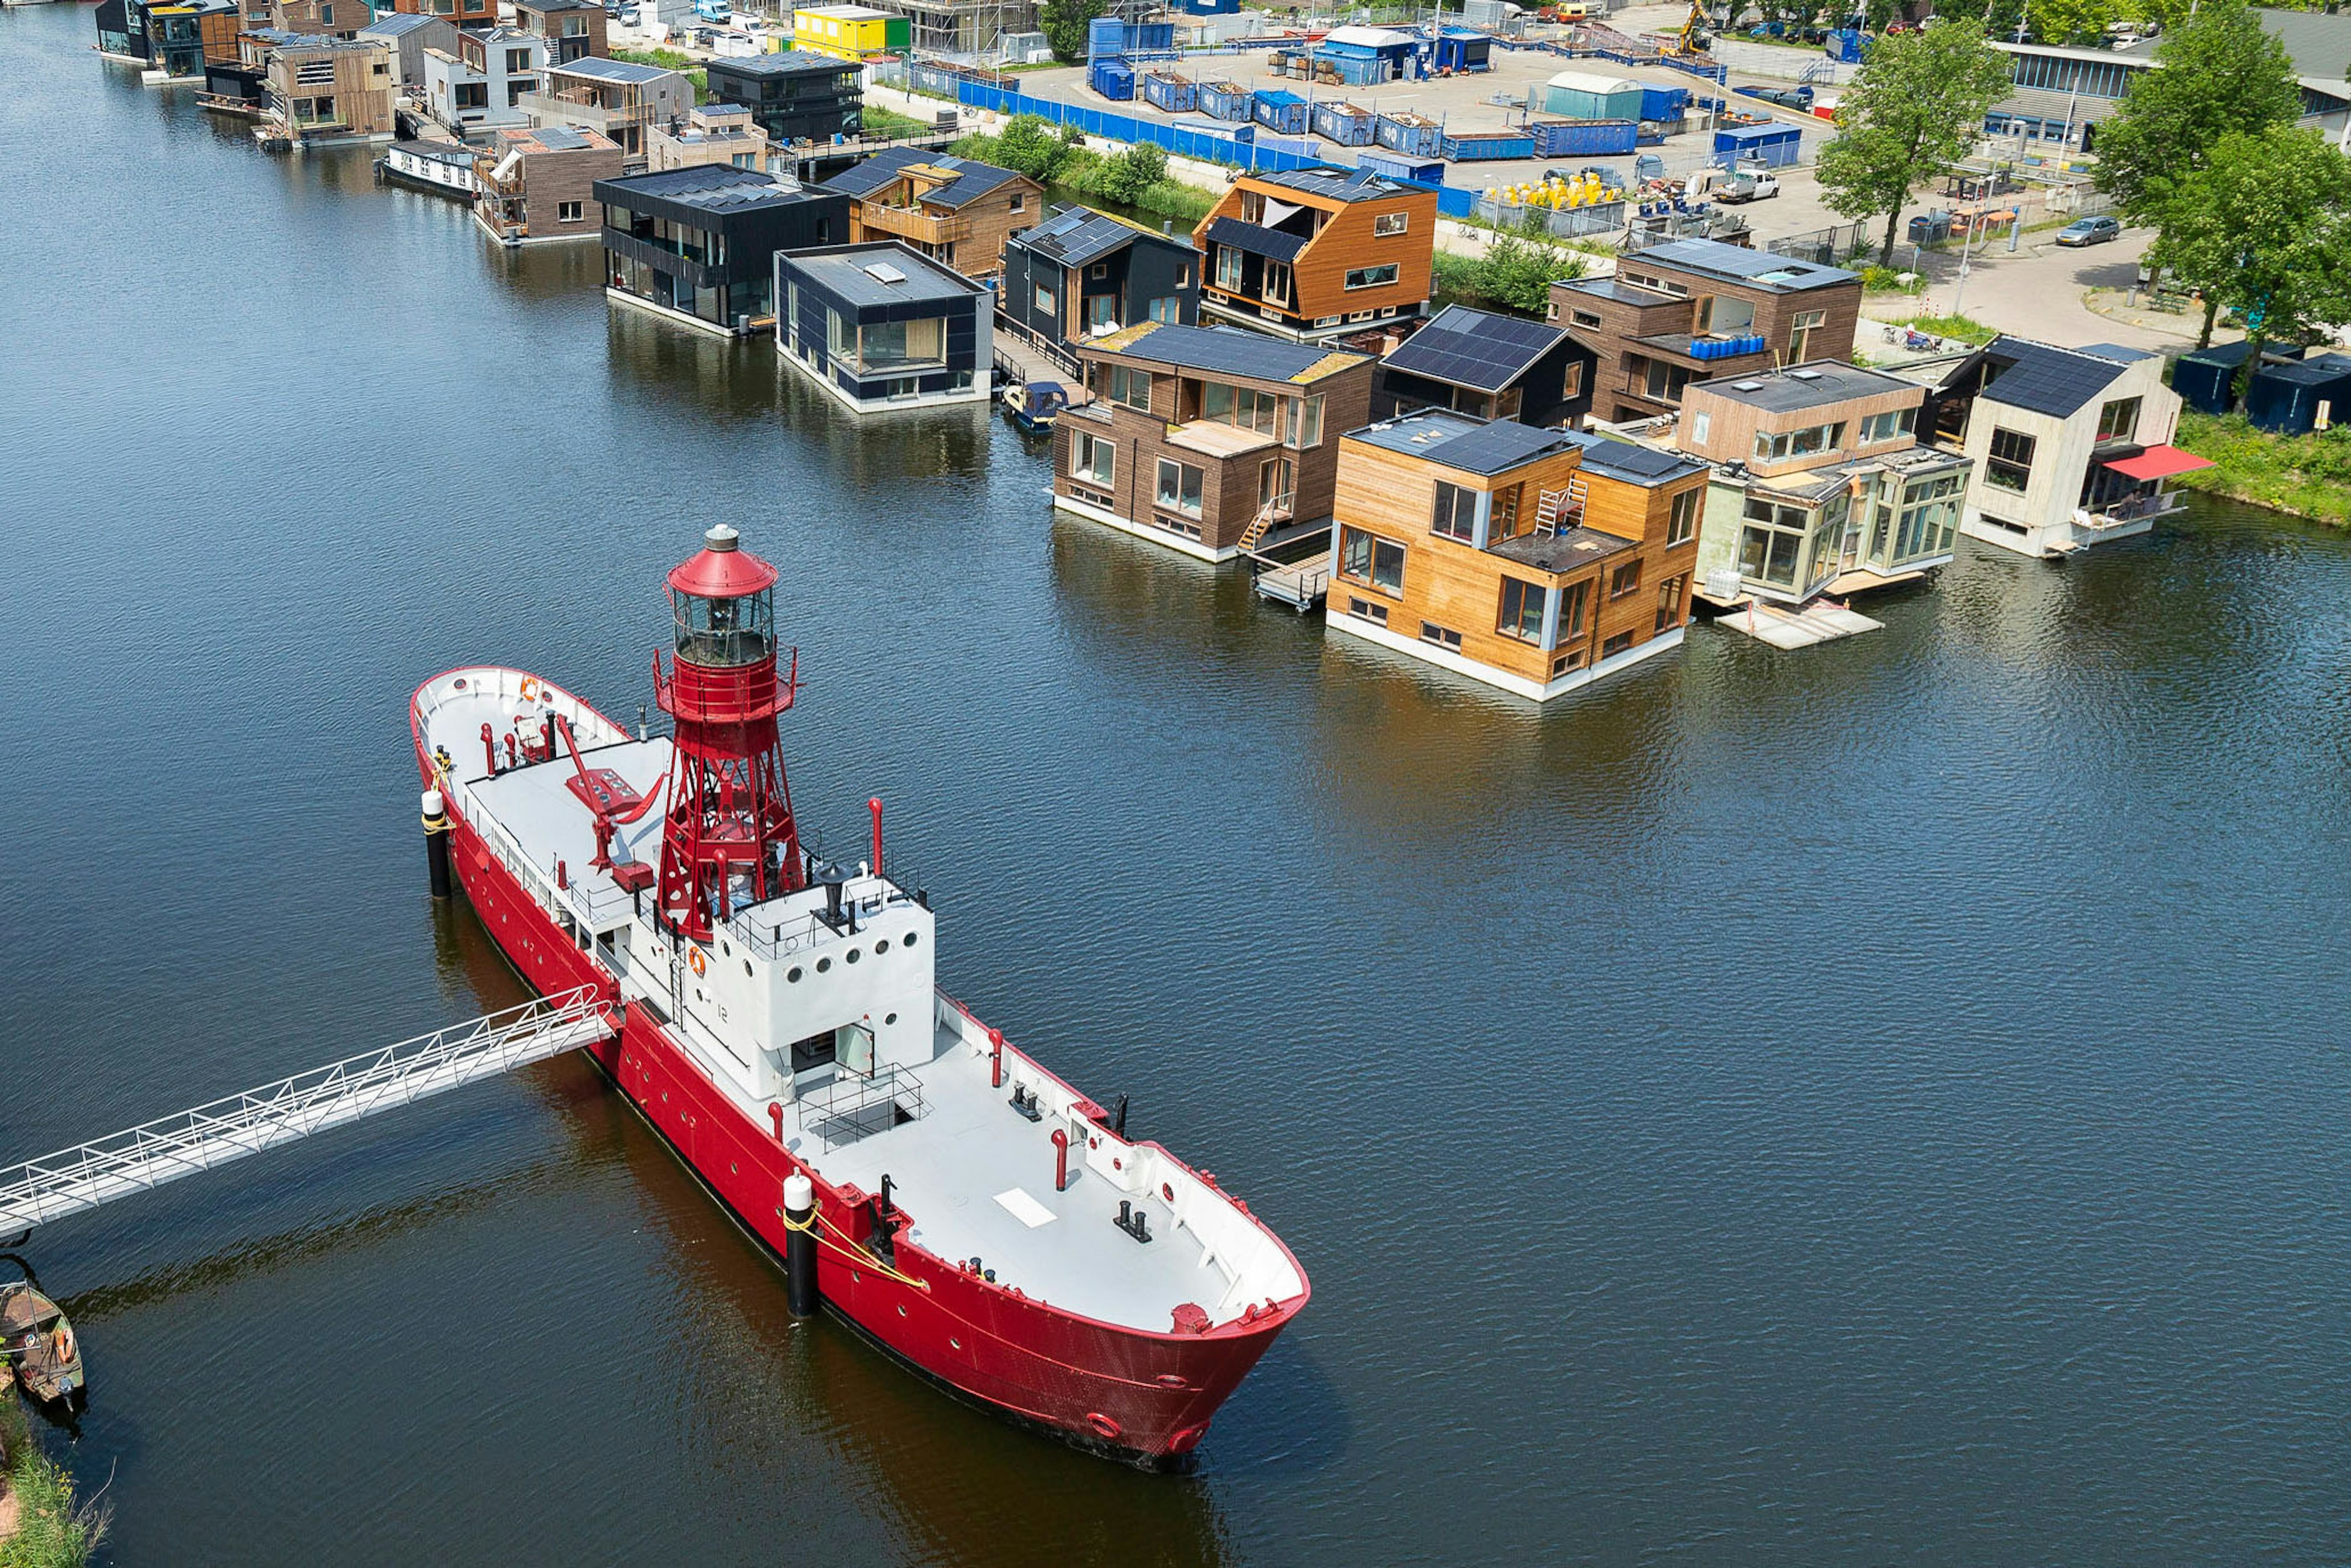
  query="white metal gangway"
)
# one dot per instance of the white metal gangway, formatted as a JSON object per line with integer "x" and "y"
{"x": 148, "y": 1155}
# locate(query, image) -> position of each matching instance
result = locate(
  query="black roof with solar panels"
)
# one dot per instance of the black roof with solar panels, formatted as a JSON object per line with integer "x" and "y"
{"x": 1082, "y": 273}
{"x": 1476, "y": 362}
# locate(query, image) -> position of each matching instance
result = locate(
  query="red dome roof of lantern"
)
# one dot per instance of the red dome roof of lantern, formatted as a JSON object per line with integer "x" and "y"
{"x": 723, "y": 569}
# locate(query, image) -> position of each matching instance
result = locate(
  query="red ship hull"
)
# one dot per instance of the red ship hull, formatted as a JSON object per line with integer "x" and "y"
{"x": 1138, "y": 1395}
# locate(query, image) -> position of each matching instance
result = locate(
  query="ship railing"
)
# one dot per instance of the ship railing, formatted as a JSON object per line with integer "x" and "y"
{"x": 863, "y": 896}
{"x": 854, "y": 1106}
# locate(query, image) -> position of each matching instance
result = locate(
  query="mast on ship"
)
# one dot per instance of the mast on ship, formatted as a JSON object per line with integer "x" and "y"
{"x": 728, "y": 838}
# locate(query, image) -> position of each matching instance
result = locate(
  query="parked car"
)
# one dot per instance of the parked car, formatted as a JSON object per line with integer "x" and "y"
{"x": 1746, "y": 188}
{"x": 2089, "y": 231}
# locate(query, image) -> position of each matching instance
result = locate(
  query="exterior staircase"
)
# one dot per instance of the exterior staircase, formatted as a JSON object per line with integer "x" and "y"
{"x": 1267, "y": 516}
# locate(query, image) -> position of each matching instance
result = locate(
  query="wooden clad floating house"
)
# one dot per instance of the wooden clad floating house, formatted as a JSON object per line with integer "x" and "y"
{"x": 1317, "y": 252}
{"x": 538, "y": 185}
{"x": 1207, "y": 439}
{"x": 1534, "y": 561}
{"x": 952, "y": 210}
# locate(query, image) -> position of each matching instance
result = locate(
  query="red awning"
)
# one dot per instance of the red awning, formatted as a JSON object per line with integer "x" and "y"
{"x": 2158, "y": 462}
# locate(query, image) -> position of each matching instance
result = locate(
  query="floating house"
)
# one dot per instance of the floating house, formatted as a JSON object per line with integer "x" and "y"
{"x": 1207, "y": 439}
{"x": 1083, "y": 275}
{"x": 882, "y": 326}
{"x": 619, "y": 99}
{"x": 795, "y": 95}
{"x": 538, "y": 187}
{"x": 445, "y": 168}
{"x": 714, "y": 133}
{"x": 464, "y": 12}
{"x": 697, "y": 244}
{"x": 2071, "y": 447}
{"x": 1316, "y": 253}
{"x": 1484, "y": 365}
{"x": 1694, "y": 309}
{"x": 410, "y": 35}
{"x": 955, "y": 210}
{"x": 1533, "y": 560}
{"x": 178, "y": 39}
{"x": 327, "y": 92}
{"x": 573, "y": 29}
{"x": 481, "y": 85}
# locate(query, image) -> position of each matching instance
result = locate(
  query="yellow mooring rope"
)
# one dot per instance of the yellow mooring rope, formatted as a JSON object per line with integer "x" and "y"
{"x": 850, "y": 1249}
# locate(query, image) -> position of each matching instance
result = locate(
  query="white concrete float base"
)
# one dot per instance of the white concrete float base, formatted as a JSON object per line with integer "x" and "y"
{"x": 1517, "y": 685}
{"x": 1819, "y": 621}
{"x": 1176, "y": 542}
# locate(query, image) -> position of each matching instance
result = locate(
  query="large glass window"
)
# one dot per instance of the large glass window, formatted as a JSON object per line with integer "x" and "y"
{"x": 1681, "y": 522}
{"x": 1810, "y": 442}
{"x": 1721, "y": 313}
{"x": 2118, "y": 420}
{"x": 1093, "y": 458}
{"x": 1131, "y": 387}
{"x": 1624, "y": 579}
{"x": 2010, "y": 466}
{"x": 1771, "y": 541}
{"x": 1241, "y": 406}
{"x": 1573, "y": 602}
{"x": 894, "y": 345}
{"x": 1371, "y": 277}
{"x": 1523, "y": 609}
{"x": 1457, "y": 513}
{"x": 1180, "y": 488}
{"x": 1228, "y": 268}
{"x": 1800, "y": 329}
{"x": 1670, "y": 612}
{"x": 1887, "y": 426}
{"x": 1306, "y": 421}
{"x": 1367, "y": 557}
{"x": 1664, "y": 381}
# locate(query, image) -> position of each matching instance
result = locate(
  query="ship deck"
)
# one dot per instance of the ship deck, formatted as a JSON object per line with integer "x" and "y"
{"x": 948, "y": 1169}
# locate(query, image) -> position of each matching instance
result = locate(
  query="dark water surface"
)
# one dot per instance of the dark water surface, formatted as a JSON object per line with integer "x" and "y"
{"x": 1880, "y": 1103}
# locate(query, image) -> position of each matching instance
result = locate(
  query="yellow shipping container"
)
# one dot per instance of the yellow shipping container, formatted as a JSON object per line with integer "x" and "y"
{"x": 850, "y": 32}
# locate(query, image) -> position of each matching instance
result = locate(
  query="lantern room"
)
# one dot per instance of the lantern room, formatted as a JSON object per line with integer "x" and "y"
{"x": 723, "y": 599}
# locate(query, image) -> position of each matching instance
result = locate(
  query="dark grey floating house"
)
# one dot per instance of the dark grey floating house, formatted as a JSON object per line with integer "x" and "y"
{"x": 698, "y": 245}
{"x": 1082, "y": 274}
{"x": 796, "y": 95}
{"x": 1475, "y": 362}
{"x": 882, "y": 326}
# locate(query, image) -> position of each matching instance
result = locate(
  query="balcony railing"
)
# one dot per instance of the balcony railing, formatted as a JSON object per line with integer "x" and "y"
{"x": 913, "y": 222}
{"x": 2129, "y": 509}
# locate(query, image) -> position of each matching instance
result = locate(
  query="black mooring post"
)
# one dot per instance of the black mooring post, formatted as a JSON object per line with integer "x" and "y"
{"x": 1118, "y": 1117}
{"x": 436, "y": 843}
{"x": 799, "y": 1245}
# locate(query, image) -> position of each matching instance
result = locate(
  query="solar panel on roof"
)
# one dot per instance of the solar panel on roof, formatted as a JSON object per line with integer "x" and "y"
{"x": 555, "y": 138}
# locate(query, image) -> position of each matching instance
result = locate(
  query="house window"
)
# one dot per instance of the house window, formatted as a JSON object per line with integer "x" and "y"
{"x": 1373, "y": 277}
{"x": 1681, "y": 520}
{"x": 1102, "y": 313}
{"x": 1550, "y": 311}
{"x": 1616, "y": 645}
{"x": 1624, "y": 579}
{"x": 1889, "y": 425}
{"x": 1277, "y": 283}
{"x": 1020, "y": 201}
{"x": 1810, "y": 442}
{"x": 2118, "y": 420}
{"x": 1045, "y": 300}
{"x": 517, "y": 61}
{"x": 2010, "y": 466}
{"x": 1584, "y": 318}
{"x": 1388, "y": 223}
{"x": 1099, "y": 270}
{"x": 1664, "y": 381}
{"x": 1702, "y": 425}
{"x": 1305, "y": 420}
{"x": 1721, "y": 313}
{"x": 1367, "y": 557}
{"x": 1131, "y": 387}
{"x": 1799, "y": 334}
{"x": 1180, "y": 488}
{"x": 1241, "y": 406}
{"x": 1502, "y": 514}
{"x": 1093, "y": 458}
{"x": 1771, "y": 541}
{"x": 1376, "y": 614}
{"x": 1670, "y": 604}
{"x": 1457, "y": 513}
{"x": 1571, "y": 384}
{"x": 1522, "y": 610}
{"x": 1167, "y": 307}
{"x": 1573, "y": 601}
{"x": 1440, "y": 636}
{"x": 1228, "y": 268}
{"x": 567, "y": 212}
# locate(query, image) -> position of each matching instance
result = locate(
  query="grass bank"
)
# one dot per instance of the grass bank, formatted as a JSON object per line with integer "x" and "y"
{"x": 2307, "y": 475}
{"x": 50, "y": 1529}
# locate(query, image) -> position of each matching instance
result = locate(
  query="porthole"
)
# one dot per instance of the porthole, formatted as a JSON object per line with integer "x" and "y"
{"x": 822, "y": 964}
{"x": 852, "y": 954}
{"x": 733, "y": 1168}
{"x": 889, "y": 1017}
{"x": 746, "y": 966}
{"x": 901, "y": 1310}
{"x": 792, "y": 975}
{"x": 909, "y": 939}
{"x": 724, "y": 950}
{"x": 882, "y": 946}
{"x": 953, "y": 1343}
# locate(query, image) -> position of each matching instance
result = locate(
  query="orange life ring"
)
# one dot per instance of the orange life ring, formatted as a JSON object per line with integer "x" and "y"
{"x": 695, "y": 962}
{"x": 530, "y": 688}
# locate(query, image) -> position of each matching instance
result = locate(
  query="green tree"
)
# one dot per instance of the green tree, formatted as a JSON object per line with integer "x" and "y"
{"x": 1918, "y": 105}
{"x": 2222, "y": 71}
{"x": 2072, "y": 21}
{"x": 1063, "y": 23}
{"x": 1029, "y": 145}
{"x": 1519, "y": 273}
{"x": 1134, "y": 171}
{"x": 2265, "y": 228}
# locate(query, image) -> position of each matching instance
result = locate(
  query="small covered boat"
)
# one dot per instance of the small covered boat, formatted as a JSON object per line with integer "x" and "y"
{"x": 1033, "y": 404}
{"x": 39, "y": 1342}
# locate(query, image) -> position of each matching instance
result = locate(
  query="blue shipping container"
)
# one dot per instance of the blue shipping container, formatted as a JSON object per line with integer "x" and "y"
{"x": 1344, "y": 123}
{"x": 1223, "y": 101}
{"x": 1480, "y": 146}
{"x": 1175, "y": 94}
{"x": 1410, "y": 134}
{"x": 1115, "y": 80}
{"x": 1773, "y": 146}
{"x": 1284, "y": 113}
{"x": 1584, "y": 138}
{"x": 1664, "y": 102}
{"x": 1397, "y": 166}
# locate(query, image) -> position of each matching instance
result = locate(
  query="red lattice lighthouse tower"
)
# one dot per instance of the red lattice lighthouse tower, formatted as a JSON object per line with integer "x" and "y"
{"x": 728, "y": 838}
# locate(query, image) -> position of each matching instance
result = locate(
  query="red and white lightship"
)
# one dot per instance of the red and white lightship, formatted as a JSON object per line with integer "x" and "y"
{"x": 776, "y": 1020}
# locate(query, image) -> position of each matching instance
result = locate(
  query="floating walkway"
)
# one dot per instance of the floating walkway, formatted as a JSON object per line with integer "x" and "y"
{"x": 148, "y": 1155}
{"x": 1819, "y": 621}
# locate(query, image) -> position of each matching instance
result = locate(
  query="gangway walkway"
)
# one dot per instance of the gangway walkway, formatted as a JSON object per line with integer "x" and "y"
{"x": 83, "y": 1176}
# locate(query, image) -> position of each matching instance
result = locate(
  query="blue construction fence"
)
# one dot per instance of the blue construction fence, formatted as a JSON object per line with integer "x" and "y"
{"x": 1184, "y": 141}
